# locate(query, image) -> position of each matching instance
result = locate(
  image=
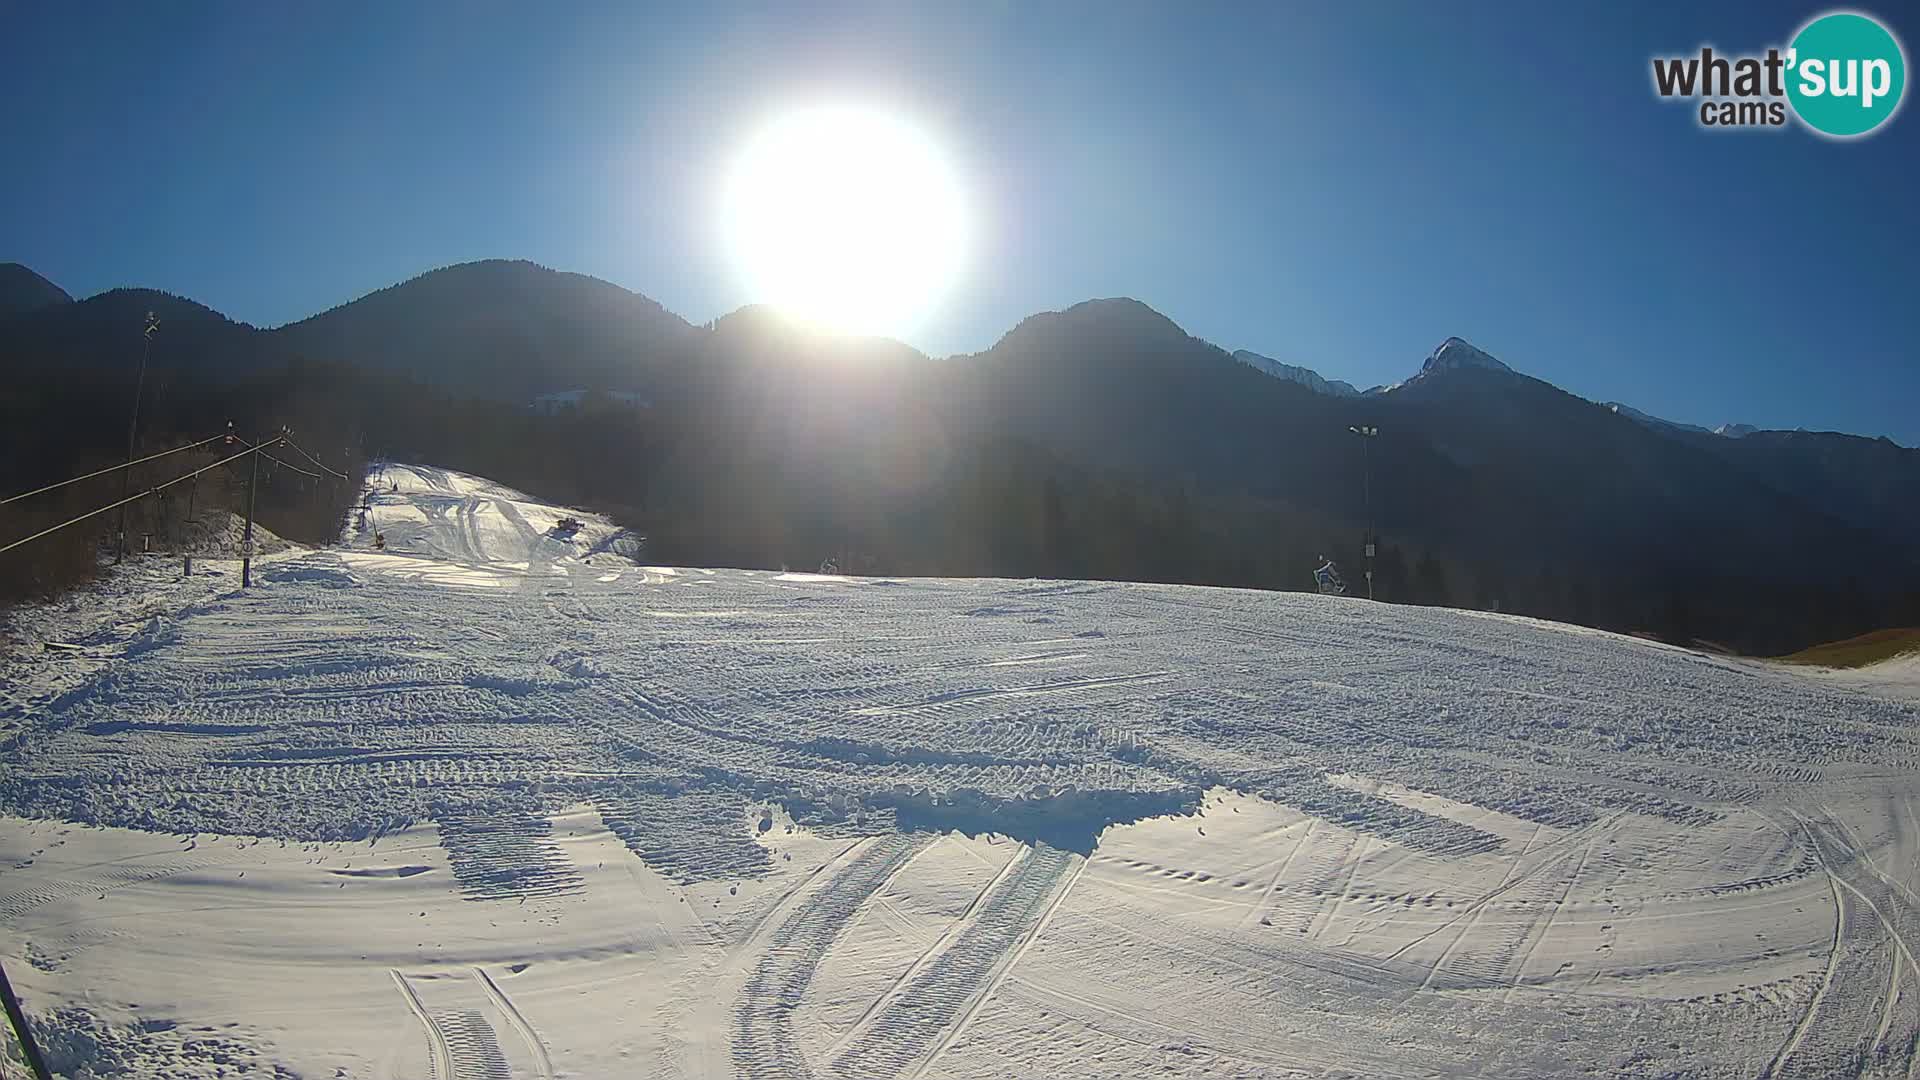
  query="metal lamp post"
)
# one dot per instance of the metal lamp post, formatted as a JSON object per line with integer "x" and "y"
{"x": 1367, "y": 433}
{"x": 133, "y": 425}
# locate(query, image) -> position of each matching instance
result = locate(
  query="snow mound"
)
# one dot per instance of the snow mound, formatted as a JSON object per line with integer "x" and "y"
{"x": 1897, "y": 677}
{"x": 79, "y": 1045}
{"x": 312, "y": 572}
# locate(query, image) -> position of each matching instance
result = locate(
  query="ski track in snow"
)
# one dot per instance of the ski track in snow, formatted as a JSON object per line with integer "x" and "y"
{"x": 1260, "y": 833}
{"x": 764, "y": 1040}
{"x": 933, "y": 999}
{"x": 463, "y": 1044}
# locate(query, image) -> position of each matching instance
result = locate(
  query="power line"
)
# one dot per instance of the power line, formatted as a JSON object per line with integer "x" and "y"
{"x": 135, "y": 498}
{"x": 108, "y": 469}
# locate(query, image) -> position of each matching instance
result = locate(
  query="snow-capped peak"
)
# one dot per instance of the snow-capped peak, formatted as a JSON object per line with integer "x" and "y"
{"x": 1735, "y": 431}
{"x": 1306, "y": 377}
{"x": 1457, "y": 353}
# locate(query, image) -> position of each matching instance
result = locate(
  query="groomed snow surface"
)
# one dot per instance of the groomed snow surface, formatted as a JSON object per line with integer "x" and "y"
{"x": 497, "y": 801}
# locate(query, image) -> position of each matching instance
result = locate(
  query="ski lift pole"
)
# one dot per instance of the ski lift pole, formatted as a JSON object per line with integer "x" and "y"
{"x": 193, "y": 488}
{"x": 246, "y": 537}
{"x": 18, "y": 1018}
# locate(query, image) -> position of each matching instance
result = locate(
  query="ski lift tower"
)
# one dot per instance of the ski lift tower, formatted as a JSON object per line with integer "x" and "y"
{"x": 1367, "y": 433}
{"x": 133, "y": 431}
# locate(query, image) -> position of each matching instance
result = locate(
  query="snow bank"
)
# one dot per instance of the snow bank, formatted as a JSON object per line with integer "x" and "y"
{"x": 1896, "y": 678}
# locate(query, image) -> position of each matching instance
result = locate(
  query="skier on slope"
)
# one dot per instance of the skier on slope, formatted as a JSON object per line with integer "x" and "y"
{"x": 1328, "y": 578}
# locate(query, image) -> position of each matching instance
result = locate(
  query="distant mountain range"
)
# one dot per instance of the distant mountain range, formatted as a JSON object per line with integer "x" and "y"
{"x": 1506, "y": 476}
{"x": 518, "y": 326}
{"x": 1456, "y": 353}
{"x": 492, "y": 328}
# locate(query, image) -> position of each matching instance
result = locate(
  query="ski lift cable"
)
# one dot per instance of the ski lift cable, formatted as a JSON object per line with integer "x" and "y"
{"x": 290, "y": 468}
{"x": 108, "y": 469}
{"x": 284, "y": 465}
{"x": 156, "y": 489}
{"x": 242, "y": 439}
{"x": 317, "y": 463}
{"x": 282, "y": 438}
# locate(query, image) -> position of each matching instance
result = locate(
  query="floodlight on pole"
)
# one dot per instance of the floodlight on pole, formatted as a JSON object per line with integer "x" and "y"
{"x": 133, "y": 426}
{"x": 1367, "y": 433}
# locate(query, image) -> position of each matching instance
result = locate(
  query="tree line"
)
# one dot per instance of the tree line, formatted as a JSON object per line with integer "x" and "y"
{"x": 57, "y": 423}
{"x": 739, "y": 468}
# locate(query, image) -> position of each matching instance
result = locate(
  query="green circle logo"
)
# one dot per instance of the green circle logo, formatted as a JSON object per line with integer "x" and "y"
{"x": 1845, "y": 74}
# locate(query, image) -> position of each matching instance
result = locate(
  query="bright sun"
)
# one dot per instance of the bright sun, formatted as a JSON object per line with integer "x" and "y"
{"x": 845, "y": 216}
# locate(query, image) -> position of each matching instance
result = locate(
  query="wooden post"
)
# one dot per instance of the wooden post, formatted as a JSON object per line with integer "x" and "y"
{"x": 193, "y": 487}
{"x": 19, "y": 1020}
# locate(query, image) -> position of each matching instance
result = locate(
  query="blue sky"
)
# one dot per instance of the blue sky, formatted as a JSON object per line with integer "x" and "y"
{"x": 1340, "y": 186}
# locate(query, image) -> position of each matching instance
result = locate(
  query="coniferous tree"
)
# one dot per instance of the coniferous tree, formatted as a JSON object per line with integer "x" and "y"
{"x": 1430, "y": 583}
{"x": 1392, "y": 583}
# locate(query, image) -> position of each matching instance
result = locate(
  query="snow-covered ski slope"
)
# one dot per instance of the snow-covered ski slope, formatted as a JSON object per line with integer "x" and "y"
{"x": 447, "y": 521}
{"x": 494, "y": 802}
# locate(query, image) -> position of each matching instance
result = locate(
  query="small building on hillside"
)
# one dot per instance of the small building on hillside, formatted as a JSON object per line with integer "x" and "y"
{"x": 566, "y": 401}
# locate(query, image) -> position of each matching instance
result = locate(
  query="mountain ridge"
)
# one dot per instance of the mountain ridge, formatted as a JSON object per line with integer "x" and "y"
{"x": 309, "y": 337}
{"x": 1162, "y": 456}
{"x": 22, "y": 290}
{"x": 1306, "y": 377}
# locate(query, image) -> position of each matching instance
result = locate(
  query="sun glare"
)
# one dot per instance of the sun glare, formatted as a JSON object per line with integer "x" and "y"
{"x": 847, "y": 217}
